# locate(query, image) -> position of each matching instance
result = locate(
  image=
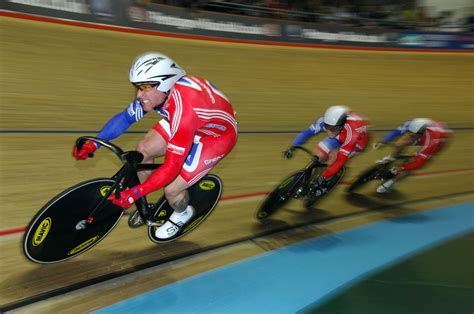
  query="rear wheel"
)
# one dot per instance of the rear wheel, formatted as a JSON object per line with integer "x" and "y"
{"x": 281, "y": 195}
{"x": 333, "y": 181}
{"x": 370, "y": 174}
{"x": 59, "y": 231}
{"x": 203, "y": 196}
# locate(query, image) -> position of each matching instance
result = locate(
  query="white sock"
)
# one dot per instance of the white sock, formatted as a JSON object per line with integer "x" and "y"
{"x": 189, "y": 207}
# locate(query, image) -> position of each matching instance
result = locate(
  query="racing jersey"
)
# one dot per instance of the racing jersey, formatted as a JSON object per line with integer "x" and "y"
{"x": 352, "y": 139}
{"x": 194, "y": 107}
{"x": 430, "y": 143}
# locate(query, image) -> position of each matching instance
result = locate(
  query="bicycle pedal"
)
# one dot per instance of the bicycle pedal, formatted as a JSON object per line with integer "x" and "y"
{"x": 135, "y": 220}
{"x": 151, "y": 223}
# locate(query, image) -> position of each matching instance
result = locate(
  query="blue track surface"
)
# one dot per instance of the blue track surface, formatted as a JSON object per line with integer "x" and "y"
{"x": 288, "y": 279}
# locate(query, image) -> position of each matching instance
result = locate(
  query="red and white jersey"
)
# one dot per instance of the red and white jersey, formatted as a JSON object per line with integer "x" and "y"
{"x": 353, "y": 139}
{"x": 354, "y": 136}
{"x": 194, "y": 107}
{"x": 431, "y": 143}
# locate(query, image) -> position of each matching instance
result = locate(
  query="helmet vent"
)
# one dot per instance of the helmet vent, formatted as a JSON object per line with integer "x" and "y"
{"x": 155, "y": 67}
{"x": 163, "y": 77}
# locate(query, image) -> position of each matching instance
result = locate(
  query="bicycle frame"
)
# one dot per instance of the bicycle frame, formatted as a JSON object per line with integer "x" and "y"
{"x": 126, "y": 177}
{"x": 298, "y": 185}
{"x": 307, "y": 171}
{"x": 315, "y": 163}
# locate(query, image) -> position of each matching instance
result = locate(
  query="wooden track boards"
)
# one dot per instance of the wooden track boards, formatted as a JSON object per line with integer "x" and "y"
{"x": 65, "y": 78}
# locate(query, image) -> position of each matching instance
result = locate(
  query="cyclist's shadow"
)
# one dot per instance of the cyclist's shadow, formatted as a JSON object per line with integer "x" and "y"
{"x": 397, "y": 211}
{"x": 61, "y": 275}
{"x": 299, "y": 217}
{"x": 375, "y": 200}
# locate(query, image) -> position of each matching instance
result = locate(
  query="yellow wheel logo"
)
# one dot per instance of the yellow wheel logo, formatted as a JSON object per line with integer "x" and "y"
{"x": 42, "y": 231}
{"x": 104, "y": 190}
{"x": 207, "y": 185}
{"x": 161, "y": 213}
{"x": 83, "y": 245}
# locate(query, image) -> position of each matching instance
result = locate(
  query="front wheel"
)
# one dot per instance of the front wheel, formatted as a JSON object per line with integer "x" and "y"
{"x": 281, "y": 194}
{"x": 59, "y": 230}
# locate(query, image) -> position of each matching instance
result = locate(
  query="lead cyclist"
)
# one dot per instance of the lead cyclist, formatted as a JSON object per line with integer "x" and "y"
{"x": 197, "y": 130}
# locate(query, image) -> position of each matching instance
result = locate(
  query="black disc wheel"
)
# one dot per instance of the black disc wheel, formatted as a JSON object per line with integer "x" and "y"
{"x": 204, "y": 196}
{"x": 59, "y": 231}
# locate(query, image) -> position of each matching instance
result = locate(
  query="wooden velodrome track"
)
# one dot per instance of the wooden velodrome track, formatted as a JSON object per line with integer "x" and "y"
{"x": 71, "y": 79}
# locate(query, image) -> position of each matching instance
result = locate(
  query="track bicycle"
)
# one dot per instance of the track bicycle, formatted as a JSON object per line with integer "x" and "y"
{"x": 78, "y": 218}
{"x": 300, "y": 185}
{"x": 381, "y": 170}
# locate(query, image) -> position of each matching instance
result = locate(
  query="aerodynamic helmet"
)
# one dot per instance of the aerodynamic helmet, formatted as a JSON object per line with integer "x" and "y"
{"x": 418, "y": 125}
{"x": 335, "y": 116}
{"x": 155, "y": 68}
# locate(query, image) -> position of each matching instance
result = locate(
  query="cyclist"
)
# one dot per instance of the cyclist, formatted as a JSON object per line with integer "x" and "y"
{"x": 347, "y": 136}
{"x": 428, "y": 134}
{"x": 197, "y": 131}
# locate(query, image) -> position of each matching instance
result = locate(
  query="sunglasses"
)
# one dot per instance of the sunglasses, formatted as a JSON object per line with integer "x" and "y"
{"x": 145, "y": 87}
{"x": 333, "y": 128}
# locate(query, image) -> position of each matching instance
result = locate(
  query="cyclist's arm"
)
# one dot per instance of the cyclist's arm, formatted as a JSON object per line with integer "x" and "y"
{"x": 122, "y": 121}
{"x": 345, "y": 150}
{"x": 313, "y": 129}
{"x": 395, "y": 133}
{"x": 336, "y": 166}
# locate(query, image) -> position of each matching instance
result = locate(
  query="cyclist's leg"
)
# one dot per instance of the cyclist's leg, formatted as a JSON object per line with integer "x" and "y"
{"x": 388, "y": 184}
{"x": 153, "y": 145}
{"x": 205, "y": 153}
{"x": 327, "y": 150}
{"x": 176, "y": 194}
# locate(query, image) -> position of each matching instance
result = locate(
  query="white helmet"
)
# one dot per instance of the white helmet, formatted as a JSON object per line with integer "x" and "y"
{"x": 418, "y": 125}
{"x": 335, "y": 116}
{"x": 154, "y": 67}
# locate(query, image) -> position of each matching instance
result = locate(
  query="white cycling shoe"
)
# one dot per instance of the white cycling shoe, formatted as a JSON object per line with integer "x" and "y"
{"x": 385, "y": 187}
{"x": 174, "y": 223}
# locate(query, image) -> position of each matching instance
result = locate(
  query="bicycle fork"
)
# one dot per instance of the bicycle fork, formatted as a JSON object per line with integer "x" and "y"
{"x": 115, "y": 188}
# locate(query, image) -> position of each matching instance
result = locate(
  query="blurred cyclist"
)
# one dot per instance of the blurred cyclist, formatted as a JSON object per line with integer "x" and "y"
{"x": 198, "y": 129}
{"x": 347, "y": 137}
{"x": 428, "y": 134}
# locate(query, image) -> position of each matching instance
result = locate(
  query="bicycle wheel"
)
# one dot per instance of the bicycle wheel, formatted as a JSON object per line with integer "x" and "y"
{"x": 203, "y": 196}
{"x": 368, "y": 175}
{"x": 55, "y": 233}
{"x": 281, "y": 195}
{"x": 310, "y": 200}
